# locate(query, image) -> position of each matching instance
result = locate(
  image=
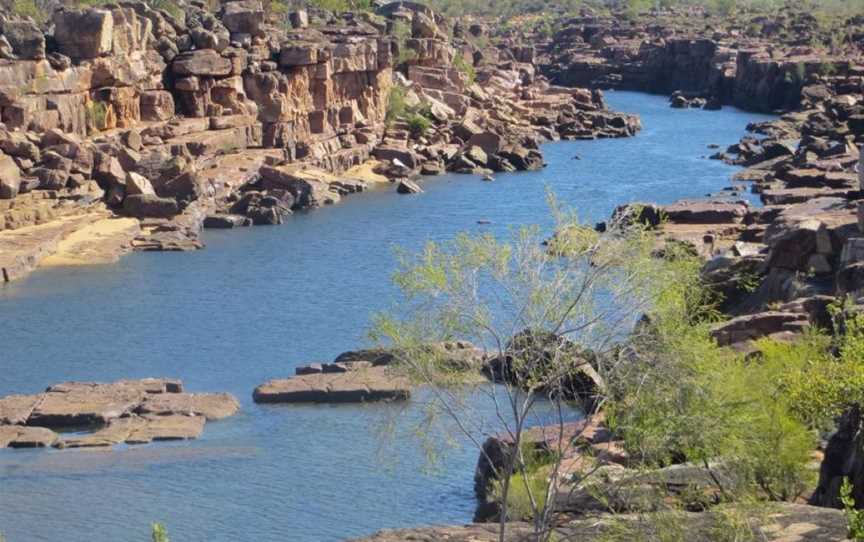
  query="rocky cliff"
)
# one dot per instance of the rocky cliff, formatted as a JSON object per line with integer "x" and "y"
{"x": 751, "y": 61}
{"x": 240, "y": 115}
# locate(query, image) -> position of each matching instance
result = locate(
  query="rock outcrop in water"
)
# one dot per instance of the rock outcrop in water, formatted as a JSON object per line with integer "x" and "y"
{"x": 128, "y": 411}
{"x": 360, "y": 376}
{"x": 230, "y": 117}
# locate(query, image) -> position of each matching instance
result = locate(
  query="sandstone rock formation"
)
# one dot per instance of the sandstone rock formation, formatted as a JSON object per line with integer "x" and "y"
{"x": 171, "y": 118}
{"x": 354, "y": 385}
{"x": 127, "y": 411}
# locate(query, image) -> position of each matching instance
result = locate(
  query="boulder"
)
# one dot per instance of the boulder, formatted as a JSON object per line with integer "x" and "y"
{"x": 407, "y": 186}
{"x": 753, "y": 326}
{"x": 705, "y": 212}
{"x": 299, "y": 18}
{"x": 309, "y": 188}
{"x": 138, "y": 185}
{"x": 204, "y": 62}
{"x": 364, "y": 385}
{"x": 84, "y": 34}
{"x": 156, "y": 105}
{"x": 26, "y": 39}
{"x": 150, "y": 206}
{"x": 221, "y": 222}
{"x": 243, "y": 17}
{"x": 265, "y": 208}
{"x": 10, "y": 177}
{"x": 488, "y": 141}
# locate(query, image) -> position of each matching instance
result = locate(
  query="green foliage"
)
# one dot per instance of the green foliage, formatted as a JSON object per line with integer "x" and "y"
{"x": 396, "y": 106}
{"x": 465, "y": 67}
{"x": 418, "y": 125}
{"x": 854, "y": 517}
{"x": 418, "y": 117}
{"x": 664, "y": 525}
{"x": 401, "y": 32}
{"x": 169, "y": 6}
{"x": 29, "y": 8}
{"x": 526, "y": 495}
{"x": 158, "y": 533}
{"x": 680, "y": 397}
{"x": 820, "y": 387}
{"x": 97, "y": 115}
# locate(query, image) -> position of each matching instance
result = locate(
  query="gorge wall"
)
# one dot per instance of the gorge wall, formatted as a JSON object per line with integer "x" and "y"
{"x": 238, "y": 115}
{"x": 724, "y": 61}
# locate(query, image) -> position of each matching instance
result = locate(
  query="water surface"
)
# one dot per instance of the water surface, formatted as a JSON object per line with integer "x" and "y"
{"x": 260, "y": 301}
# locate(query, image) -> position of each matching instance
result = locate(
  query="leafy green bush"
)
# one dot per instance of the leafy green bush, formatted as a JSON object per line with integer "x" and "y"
{"x": 97, "y": 115}
{"x": 28, "y": 8}
{"x": 418, "y": 124}
{"x": 854, "y": 517}
{"x": 396, "y": 106}
{"x": 465, "y": 67}
{"x": 526, "y": 494}
{"x": 677, "y": 396}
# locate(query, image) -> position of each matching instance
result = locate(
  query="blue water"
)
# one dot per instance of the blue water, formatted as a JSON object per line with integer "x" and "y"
{"x": 260, "y": 301}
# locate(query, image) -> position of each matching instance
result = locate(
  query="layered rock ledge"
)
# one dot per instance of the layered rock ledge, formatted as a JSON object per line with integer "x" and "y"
{"x": 87, "y": 414}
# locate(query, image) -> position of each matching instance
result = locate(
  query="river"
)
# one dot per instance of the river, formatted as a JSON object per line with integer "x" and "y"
{"x": 258, "y": 302}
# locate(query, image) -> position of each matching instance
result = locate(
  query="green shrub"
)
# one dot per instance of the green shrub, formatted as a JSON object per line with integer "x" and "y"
{"x": 418, "y": 124}
{"x": 28, "y": 8}
{"x": 465, "y": 67}
{"x": 97, "y": 115}
{"x": 677, "y": 396}
{"x": 854, "y": 517}
{"x": 396, "y": 106}
{"x": 526, "y": 493}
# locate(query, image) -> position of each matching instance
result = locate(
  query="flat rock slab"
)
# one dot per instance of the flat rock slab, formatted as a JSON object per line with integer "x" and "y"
{"x": 139, "y": 430}
{"x": 127, "y": 411}
{"x": 16, "y": 409}
{"x": 364, "y": 385}
{"x": 213, "y": 406}
{"x": 16, "y": 436}
{"x": 85, "y": 406}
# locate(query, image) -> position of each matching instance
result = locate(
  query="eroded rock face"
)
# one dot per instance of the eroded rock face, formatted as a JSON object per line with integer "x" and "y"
{"x": 141, "y": 102}
{"x": 128, "y": 411}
